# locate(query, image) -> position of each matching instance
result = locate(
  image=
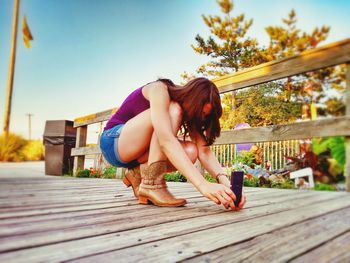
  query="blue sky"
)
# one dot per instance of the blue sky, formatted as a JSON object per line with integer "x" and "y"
{"x": 88, "y": 55}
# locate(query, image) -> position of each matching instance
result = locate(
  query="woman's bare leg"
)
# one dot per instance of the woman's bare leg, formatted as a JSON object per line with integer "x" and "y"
{"x": 155, "y": 152}
{"x": 189, "y": 147}
{"x": 135, "y": 138}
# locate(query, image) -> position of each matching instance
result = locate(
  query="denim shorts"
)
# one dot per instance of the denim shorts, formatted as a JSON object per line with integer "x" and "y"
{"x": 109, "y": 147}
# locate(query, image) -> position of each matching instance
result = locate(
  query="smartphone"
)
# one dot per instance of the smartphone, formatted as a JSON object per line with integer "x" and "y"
{"x": 237, "y": 185}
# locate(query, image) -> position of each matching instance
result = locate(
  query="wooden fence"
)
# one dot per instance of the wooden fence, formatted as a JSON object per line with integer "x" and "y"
{"x": 274, "y": 152}
{"x": 310, "y": 60}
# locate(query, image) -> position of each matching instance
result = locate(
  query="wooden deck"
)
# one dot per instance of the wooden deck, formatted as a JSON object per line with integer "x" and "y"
{"x": 50, "y": 219}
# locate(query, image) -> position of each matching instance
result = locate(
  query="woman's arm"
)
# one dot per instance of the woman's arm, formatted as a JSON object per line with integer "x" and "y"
{"x": 212, "y": 165}
{"x": 159, "y": 104}
{"x": 208, "y": 159}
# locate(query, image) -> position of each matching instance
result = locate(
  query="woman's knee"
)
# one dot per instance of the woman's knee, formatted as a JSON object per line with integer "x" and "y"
{"x": 191, "y": 151}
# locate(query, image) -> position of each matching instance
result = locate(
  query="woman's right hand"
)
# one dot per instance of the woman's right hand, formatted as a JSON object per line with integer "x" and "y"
{"x": 218, "y": 193}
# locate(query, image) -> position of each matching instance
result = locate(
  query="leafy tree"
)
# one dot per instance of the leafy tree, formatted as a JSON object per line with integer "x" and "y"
{"x": 231, "y": 50}
{"x": 268, "y": 109}
{"x": 286, "y": 41}
{"x": 228, "y": 47}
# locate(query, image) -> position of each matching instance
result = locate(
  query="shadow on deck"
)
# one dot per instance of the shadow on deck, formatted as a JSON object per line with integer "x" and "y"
{"x": 50, "y": 219}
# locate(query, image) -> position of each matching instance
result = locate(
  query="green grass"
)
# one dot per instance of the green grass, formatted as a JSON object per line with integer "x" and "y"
{"x": 324, "y": 187}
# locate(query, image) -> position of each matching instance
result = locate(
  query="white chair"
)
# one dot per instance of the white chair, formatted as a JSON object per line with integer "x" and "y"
{"x": 305, "y": 172}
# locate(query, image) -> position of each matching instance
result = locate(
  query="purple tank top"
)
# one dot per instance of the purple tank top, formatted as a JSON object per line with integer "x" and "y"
{"x": 134, "y": 104}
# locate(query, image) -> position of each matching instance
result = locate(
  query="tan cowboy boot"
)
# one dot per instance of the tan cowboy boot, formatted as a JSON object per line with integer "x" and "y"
{"x": 132, "y": 178}
{"x": 153, "y": 187}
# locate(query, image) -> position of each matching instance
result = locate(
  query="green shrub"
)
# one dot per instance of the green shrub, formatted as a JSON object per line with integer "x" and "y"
{"x": 33, "y": 151}
{"x": 251, "y": 182}
{"x": 245, "y": 157}
{"x": 85, "y": 173}
{"x": 175, "y": 177}
{"x": 10, "y": 148}
{"x": 325, "y": 187}
{"x": 109, "y": 172}
{"x": 335, "y": 144}
{"x": 95, "y": 173}
{"x": 287, "y": 184}
{"x": 178, "y": 177}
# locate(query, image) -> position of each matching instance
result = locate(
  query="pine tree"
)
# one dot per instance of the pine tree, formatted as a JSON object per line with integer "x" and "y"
{"x": 228, "y": 46}
{"x": 231, "y": 50}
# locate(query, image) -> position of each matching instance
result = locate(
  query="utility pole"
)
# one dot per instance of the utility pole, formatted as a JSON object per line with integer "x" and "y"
{"x": 30, "y": 125}
{"x": 11, "y": 68}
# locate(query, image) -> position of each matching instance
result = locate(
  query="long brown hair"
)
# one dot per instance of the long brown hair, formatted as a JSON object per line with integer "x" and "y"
{"x": 192, "y": 97}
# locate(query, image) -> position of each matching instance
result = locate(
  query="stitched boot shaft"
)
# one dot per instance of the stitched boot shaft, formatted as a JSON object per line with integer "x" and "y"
{"x": 153, "y": 187}
{"x": 133, "y": 178}
{"x": 153, "y": 176}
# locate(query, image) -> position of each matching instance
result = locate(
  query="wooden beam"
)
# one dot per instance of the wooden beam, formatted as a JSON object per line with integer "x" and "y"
{"x": 94, "y": 118}
{"x": 85, "y": 150}
{"x": 80, "y": 142}
{"x": 338, "y": 126}
{"x": 310, "y": 60}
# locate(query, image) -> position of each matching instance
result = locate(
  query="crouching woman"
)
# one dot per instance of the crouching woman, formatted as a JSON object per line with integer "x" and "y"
{"x": 142, "y": 136}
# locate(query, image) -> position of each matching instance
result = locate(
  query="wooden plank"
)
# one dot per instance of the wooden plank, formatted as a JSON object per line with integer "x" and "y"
{"x": 338, "y": 126}
{"x": 67, "y": 208}
{"x": 192, "y": 244}
{"x": 309, "y": 60}
{"x": 147, "y": 231}
{"x": 336, "y": 250}
{"x": 347, "y": 138}
{"x": 80, "y": 142}
{"x": 229, "y": 231}
{"x": 94, "y": 118}
{"x": 60, "y": 197}
{"x": 25, "y": 205}
{"x": 98, "y": 211}
{"x": 125, "y": 216}
{"x": 85, "y": 150}
{"x": 132, "y": 204}
{"x": 277, "y": 245}
{"x": 48, "y": 196}
{"x": 70, "y": 222}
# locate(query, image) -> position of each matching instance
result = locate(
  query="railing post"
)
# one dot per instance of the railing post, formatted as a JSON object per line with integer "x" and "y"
{"x": 347, "y": 138}
{"x": 80, "y": 142}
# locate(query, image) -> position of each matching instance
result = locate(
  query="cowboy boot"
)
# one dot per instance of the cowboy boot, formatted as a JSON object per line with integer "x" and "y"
{"x": 132, "y": 178}
{"x": 153, "y": 187}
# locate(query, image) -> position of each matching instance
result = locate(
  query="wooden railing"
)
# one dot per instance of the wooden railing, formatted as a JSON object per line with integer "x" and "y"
{"x": 81, "y": 149}
{"x": 310, "y": 60}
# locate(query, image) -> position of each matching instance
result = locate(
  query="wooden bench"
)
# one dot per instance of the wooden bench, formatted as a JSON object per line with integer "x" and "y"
{"x": 326, "y": 56}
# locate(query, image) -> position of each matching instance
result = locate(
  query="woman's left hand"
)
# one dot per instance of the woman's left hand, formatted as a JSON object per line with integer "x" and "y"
{"x": 225, "y": 181}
